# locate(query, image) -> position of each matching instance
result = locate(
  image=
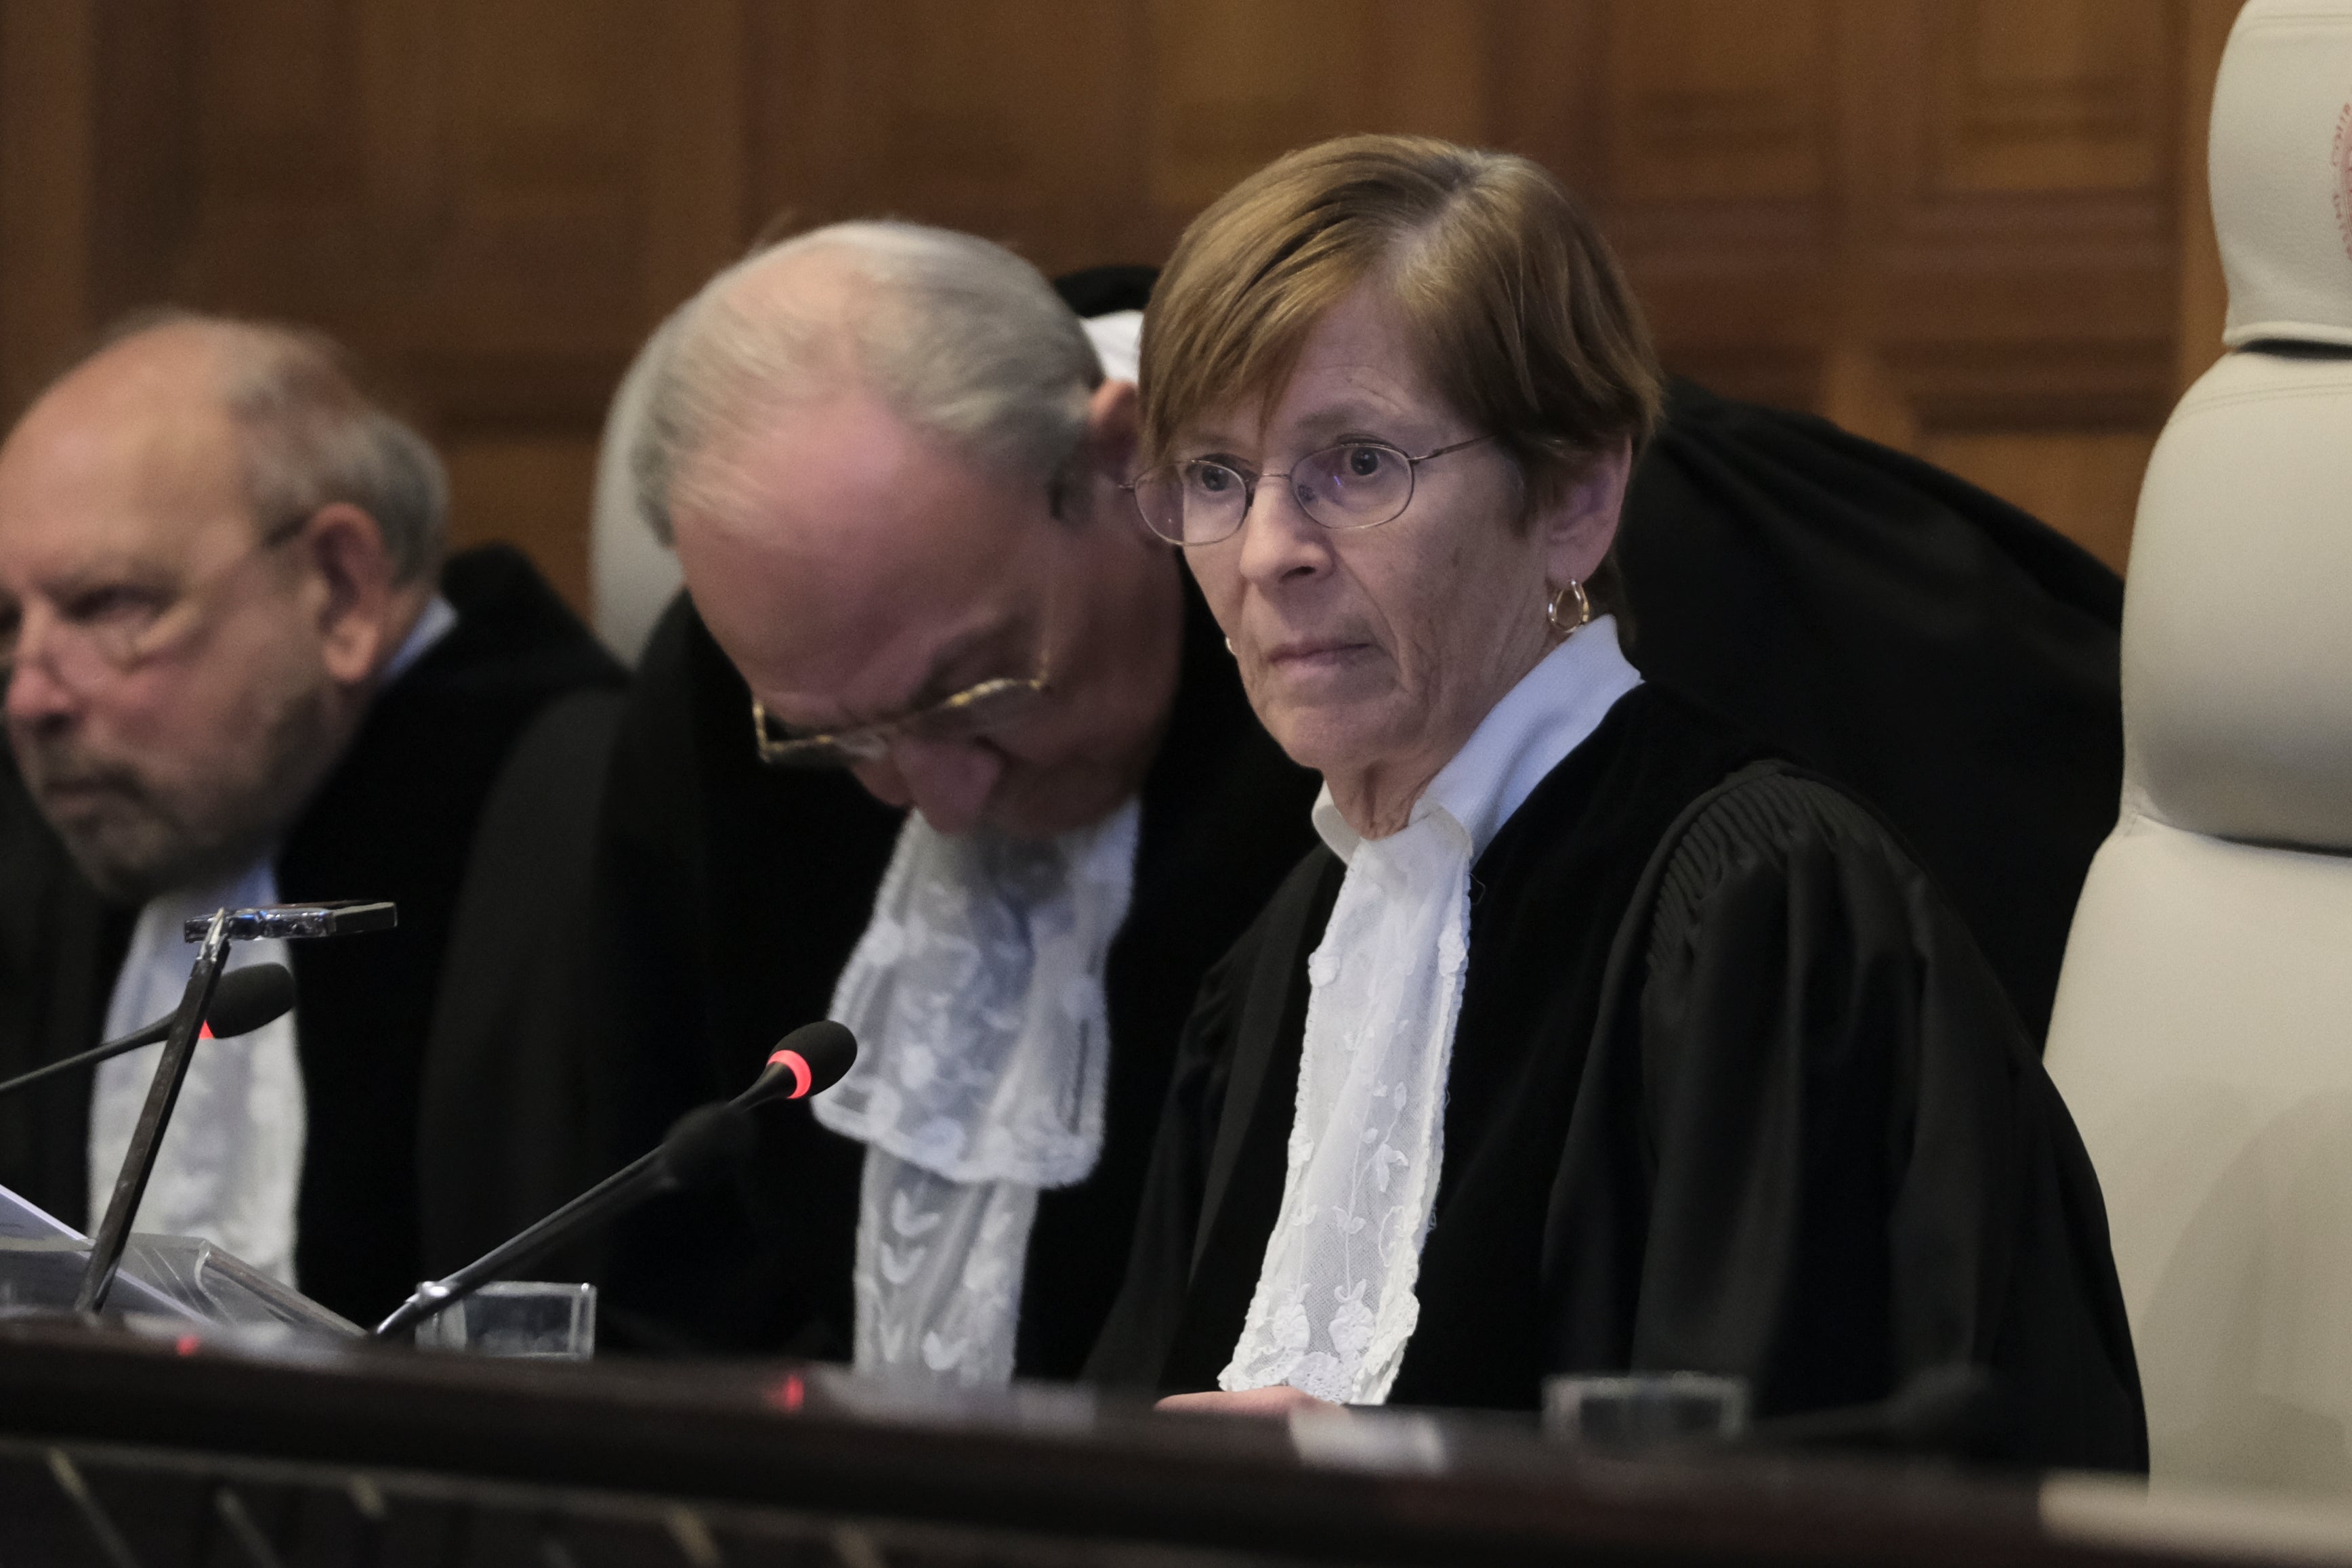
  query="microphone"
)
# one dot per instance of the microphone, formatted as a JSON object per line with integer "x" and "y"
{"x": 699, "y": 1148}
{"x": 243, "y": 1002}
{"x": 809, "y": 1061}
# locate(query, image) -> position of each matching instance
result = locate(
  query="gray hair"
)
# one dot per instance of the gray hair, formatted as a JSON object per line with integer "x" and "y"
{"x": 311, "y": 437}
{"x": 957, "y": 337}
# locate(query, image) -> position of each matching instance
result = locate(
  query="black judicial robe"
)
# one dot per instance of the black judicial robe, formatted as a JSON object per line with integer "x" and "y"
{"x": 660, "y": 909}
{"x": 1945, "y": 655}
{"x": 720, "y": 901}
{"x": 1732, "y": 1091}
{"x": 656, "y": 908}
{"x": 392, "y": 821}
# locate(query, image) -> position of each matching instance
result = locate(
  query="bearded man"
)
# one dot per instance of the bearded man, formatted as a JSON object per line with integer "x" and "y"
{"x": 237, "y": 673}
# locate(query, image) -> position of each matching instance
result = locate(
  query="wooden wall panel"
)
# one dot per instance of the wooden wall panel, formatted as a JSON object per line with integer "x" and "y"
{"x": 2051, "y": 95}
{"x": 1710, "y": 156}
{"x": 1230, "y": 83}
{"x": 47, "y": 81}
{"x": 1091, "y": 132}
{"x": 2090, "y": 477}
{"x": 1970, "y": 227}
{"x": 2004, "y": 257}
{"x": 529, "y": 490}
{"x": 1718, "y": 101}
{"x": 1020, "y": 119}
{"x": 491, "y": 200}
{"x": 1221, "y": 85}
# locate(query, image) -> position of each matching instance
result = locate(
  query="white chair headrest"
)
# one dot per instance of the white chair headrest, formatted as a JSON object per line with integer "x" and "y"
{"x": 2281, "y": 171}
{"x": 632, "y": 575}
{"x": 2237, "y": 644}
{"x": 1118, "y": 339}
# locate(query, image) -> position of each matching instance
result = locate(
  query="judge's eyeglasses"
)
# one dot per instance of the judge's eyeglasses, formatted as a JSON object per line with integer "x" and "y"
{"x": 960, "y": 716}
{"x": 101, "y": 630}
{"x": 1352, "y": 485}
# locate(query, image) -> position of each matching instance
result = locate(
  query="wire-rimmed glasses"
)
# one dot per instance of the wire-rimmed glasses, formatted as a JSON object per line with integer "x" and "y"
{"x": 109, "y": 629}
{"x": 960, "y": 716}
{"x": 1350, "y": 485}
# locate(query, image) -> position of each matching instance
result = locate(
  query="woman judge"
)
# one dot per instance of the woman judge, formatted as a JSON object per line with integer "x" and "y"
{"x": 1593, "y": 1039}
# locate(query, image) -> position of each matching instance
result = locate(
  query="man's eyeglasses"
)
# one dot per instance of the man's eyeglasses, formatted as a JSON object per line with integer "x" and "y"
{"x": 105, "y": 630}
{"x": 1354, "y": 485}
{"x": 960, "y": 716}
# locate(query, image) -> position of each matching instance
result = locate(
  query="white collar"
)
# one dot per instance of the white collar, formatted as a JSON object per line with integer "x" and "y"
{"x": 438, "y": 620}
{"x": 1550, "y": 712}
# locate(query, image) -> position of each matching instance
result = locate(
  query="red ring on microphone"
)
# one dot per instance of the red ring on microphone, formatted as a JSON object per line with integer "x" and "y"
{"x": 802, "y": 1077}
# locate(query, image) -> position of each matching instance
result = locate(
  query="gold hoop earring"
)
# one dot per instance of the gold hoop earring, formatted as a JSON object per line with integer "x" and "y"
{"x": 1575, "y": 590}
{"x": 1229, "y": 644}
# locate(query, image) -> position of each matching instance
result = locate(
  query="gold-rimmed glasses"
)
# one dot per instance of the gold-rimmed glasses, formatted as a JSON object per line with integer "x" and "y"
{"x": 960, "y": 716}
{"x": 105, "y": 629}
{"x": 1356, "y": 484}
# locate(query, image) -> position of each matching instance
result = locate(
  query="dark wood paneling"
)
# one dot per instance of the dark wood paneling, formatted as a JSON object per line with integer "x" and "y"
{"x": 491, "y": 200}
{"x": 1719, "y": 102}
{"x": 1947, "y": 223}
{"x": 1020, "y": 119}
{"x": 48, "y": 66}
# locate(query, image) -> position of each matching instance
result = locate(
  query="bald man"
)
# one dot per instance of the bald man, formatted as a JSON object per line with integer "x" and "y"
{"x": 893, "y": 465}
{"x": 239, "y": 673}
{"x": 1006, "y": 804}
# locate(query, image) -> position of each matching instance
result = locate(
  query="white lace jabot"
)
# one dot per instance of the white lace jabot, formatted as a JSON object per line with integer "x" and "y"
{"x": 1335, "y": 1303}
{"x": 976, "y": 995}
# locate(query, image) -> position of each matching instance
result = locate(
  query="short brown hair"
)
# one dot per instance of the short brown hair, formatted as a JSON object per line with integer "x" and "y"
{"x": 1518, "y": 312}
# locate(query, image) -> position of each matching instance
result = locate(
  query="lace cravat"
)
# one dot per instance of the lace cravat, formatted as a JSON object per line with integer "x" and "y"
{"x": 976, "y": 995}
{"x": 1335, "y": 1302}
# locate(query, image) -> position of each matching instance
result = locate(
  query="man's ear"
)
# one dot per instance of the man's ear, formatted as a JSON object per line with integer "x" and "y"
{"x": 354, "y": 597}
{"x": 1579, "y": 524}
{"x": 1112, "y": 427}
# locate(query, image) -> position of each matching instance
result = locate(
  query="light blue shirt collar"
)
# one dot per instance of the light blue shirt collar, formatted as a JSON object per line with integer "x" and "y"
{"x": 1550, "y": 712}
{"x": 439, "y": 619}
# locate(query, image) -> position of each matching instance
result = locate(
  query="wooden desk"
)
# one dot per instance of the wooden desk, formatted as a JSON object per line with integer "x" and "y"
{"x": 116, "y": 1449}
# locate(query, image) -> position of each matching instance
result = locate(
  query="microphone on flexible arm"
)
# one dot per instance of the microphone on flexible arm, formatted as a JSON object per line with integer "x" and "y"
{"x": 699, "y": 1147}
{"x": 245, "y": 999}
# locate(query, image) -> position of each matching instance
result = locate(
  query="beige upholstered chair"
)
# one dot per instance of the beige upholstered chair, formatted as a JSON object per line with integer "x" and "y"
{"x": 2203, "y": 1030}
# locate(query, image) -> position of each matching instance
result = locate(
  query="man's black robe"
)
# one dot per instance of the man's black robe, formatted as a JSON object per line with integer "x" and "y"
{"x": 720, "y": 902}
{"x": 392, "y": 821}
{"x": 1754, "y": 1104}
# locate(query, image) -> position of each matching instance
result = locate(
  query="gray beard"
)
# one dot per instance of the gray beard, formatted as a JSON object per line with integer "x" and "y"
{"x": 141, "y": 840}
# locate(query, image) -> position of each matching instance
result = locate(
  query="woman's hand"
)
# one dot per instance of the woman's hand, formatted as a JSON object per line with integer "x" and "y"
{"x": 1280, "y": 1400}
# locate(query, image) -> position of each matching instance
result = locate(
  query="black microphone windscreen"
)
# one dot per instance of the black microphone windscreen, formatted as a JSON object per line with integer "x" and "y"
{"x": 809, "y": 1061}
{"x": 705, "y": 1142}
{"x": 248, "y": 998}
